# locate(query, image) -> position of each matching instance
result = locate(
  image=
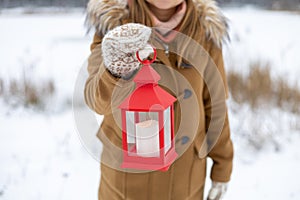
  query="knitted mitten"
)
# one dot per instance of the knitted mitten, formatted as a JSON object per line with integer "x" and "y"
{"x": 119, "y": 47}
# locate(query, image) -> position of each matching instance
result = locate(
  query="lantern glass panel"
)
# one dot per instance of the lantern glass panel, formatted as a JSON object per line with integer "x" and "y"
{"x": 130, "y": 129}
{"x": 167, "y": 129}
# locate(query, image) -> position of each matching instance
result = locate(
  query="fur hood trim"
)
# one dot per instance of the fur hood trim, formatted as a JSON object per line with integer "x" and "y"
{"x": 213, "y": 20}
{"x": 104, "y": 15}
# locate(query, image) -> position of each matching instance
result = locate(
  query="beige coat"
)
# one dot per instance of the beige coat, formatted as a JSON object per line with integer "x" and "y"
{"x": 201, "y": 122}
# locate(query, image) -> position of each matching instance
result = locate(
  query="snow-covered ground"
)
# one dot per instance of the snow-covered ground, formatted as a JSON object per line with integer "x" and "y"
{"x": 266, "y": 37}
{"x": 41, "y": 154}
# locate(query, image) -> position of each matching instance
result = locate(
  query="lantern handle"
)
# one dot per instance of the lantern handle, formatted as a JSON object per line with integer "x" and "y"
{"x": 147, "y": 61}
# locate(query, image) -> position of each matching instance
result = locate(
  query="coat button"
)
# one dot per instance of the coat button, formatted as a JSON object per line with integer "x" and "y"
{"x": 186, "y": 65}
{"x": 187, "y": 93}
{"x": 184, "y": 140}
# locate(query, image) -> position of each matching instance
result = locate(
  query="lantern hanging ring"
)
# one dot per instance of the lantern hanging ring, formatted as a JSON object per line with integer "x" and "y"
{"x": 144, "y": 62}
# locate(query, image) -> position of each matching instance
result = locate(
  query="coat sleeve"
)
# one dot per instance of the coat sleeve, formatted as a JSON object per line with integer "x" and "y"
{"x": 219, "y": 144}
{"x": 101, "y": 85}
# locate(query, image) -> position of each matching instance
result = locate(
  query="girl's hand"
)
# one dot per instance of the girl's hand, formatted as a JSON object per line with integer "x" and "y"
{"x": 217, "y": 191}
{"x": 119, "y": 47}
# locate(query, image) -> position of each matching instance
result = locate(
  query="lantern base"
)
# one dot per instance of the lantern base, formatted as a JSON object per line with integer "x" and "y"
{"x": 171, "y": 157}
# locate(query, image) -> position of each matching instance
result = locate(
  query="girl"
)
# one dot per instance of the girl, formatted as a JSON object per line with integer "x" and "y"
{"x": 122, "y": 28}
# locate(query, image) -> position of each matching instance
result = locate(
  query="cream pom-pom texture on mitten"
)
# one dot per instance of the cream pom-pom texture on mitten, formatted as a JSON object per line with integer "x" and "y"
{"x": 119, "y": 47}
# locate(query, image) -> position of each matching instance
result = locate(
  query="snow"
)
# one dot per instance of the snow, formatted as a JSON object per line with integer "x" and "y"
{"x": 271, "y": 176}
{"x": 47, "y": 46}
{"x": 268, "y": 176}
{"x": 267, "y": 37}
{"x": 41, "y": 153}
{"x": 44, "y": 158}
{"x": 270, "y": 172}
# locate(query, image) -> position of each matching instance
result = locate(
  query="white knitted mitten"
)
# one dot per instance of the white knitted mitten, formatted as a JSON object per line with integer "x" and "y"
{"x": 120, "y": 45}
{"x": 217, "y": 191}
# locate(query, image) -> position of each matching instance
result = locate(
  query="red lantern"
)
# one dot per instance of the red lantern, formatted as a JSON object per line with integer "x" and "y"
{"x": 148, "y": 123}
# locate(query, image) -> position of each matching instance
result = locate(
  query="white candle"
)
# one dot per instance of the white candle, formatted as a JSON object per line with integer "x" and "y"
{"x": 147, "y": 138}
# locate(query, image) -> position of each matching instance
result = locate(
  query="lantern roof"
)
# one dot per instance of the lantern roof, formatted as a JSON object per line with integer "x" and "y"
{"x": 147, "y": 96}
{"x": 146, "y": 75}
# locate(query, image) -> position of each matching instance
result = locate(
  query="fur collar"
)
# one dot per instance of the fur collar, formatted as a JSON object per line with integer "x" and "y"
{"x": 107, "y": 14}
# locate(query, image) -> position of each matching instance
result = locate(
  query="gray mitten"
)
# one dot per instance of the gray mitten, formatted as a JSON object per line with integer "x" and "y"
{"x": 217, "y": 191}
{"x": 119, "y": 47}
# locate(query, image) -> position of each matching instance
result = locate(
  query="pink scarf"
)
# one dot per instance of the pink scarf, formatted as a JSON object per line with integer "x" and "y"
{"x": 164, "y": 29}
